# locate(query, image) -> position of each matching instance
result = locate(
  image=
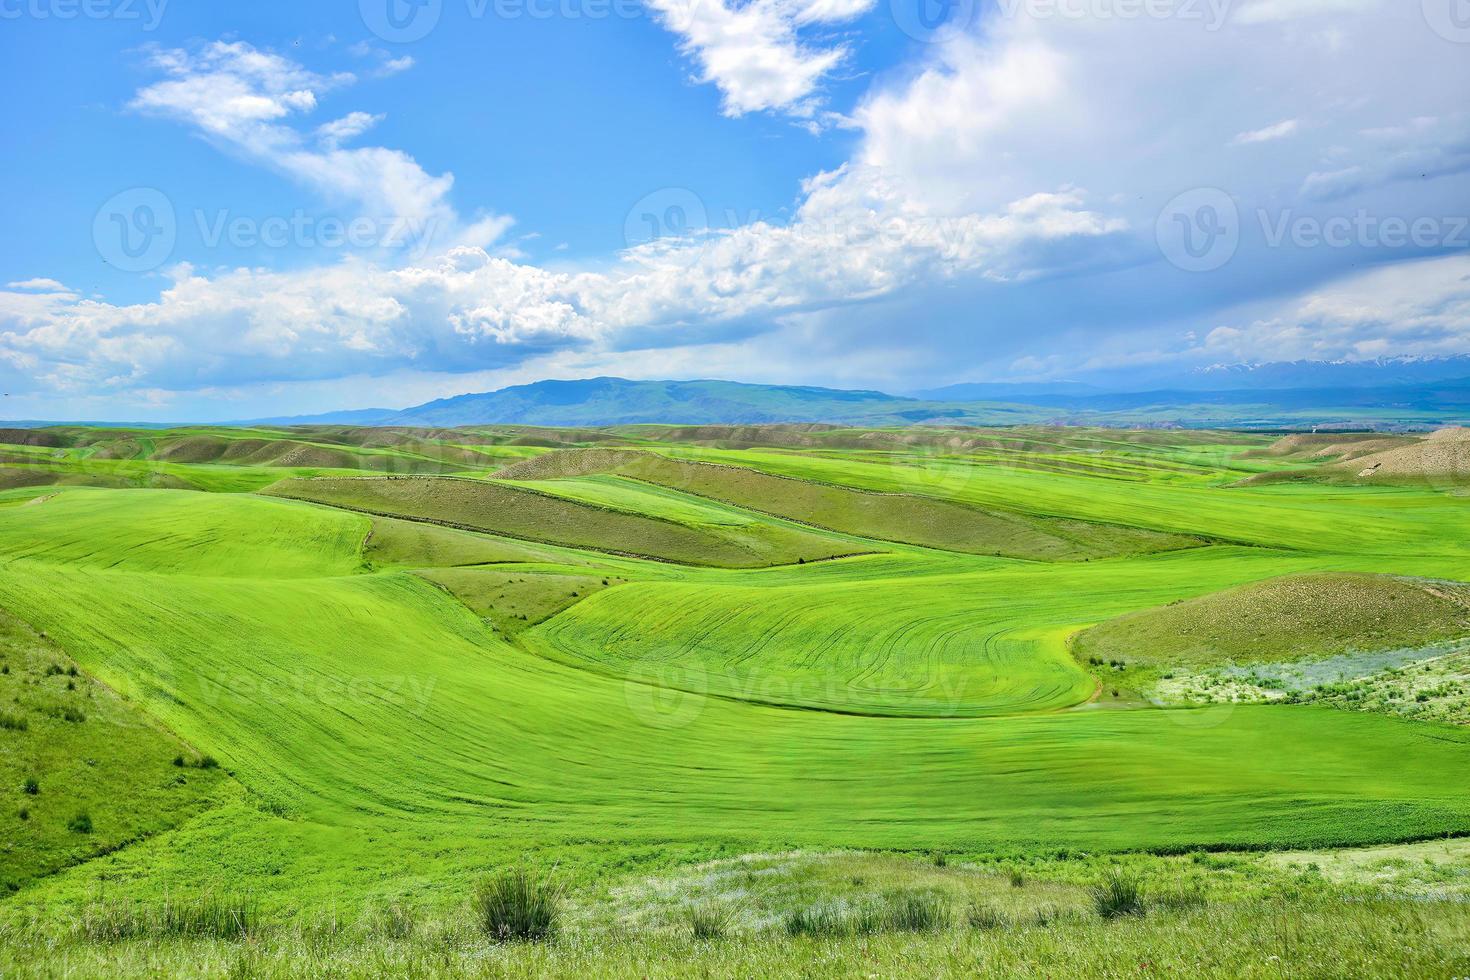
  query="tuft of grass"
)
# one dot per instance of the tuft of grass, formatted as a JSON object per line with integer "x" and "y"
{"x": 1017, "y": 878}
{"x": 81, "y": 823}
{"x": 394, "y": 921}
{"x": 205, "y": 917}
{"x": 941, "y": 860}
{"x": 513, "y": 906}
{"x": 986, "y": 917}
{"x": 13, "y": 723}
{"x": 31, "y": 786}
{"x": 916, "y": 912}
{"x": 710, "y": 921}
{"x": 817, "y": 920}
{"x": 1119, "y": 895}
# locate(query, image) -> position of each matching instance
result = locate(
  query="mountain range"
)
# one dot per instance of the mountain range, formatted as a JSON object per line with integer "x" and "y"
{"x": 1384, "y": 393}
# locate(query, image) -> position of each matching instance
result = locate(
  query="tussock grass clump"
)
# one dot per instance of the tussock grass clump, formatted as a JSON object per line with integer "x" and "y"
{"x": 1119, "y": 895}
{"x": 818, "y": 920}
{"x": 513, "y": 906}
{"x": 915, "y": 912}
{"x": 13, "y": 723}
{"x": 710, "y": 921}
{"x": 206, "y": 917}
{"x": 31, "y": 786}
{"x": 1017, "y": 878}
{"x": 80, "y": 824}
{"x": 986, "y": 917}
{"x": 394, "y": 921}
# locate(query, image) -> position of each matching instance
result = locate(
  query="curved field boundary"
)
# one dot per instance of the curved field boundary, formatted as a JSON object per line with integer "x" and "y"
{"x": 514, "y": 512}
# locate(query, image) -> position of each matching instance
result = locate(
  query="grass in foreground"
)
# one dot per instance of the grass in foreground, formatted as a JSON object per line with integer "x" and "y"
{"x": 1291, "y": 936}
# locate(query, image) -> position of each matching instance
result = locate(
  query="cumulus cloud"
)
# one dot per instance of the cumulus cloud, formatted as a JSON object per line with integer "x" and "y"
{"x": 753, "y": 52}
{"x": 245, "y": 100}
{"x": 1001, "y": 203}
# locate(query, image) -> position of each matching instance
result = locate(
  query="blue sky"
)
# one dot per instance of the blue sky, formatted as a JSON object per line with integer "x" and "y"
{"x": 224, "y": 210}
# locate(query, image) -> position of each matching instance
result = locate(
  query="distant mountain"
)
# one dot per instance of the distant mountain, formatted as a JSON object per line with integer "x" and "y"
{"x": 615, "y": 401}
{"x": 361, "y": 416}
{"x": 1021, "y": 392}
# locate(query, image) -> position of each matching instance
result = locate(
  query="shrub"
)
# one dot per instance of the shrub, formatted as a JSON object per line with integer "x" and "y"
{"x": 179, "y": 761}
{"x": 1017, "y": 878}
{"x": 709, "y": 921}
{"x": 941, "y": 859}
{"x": 13, "y": 723}
{"x": 984, "y": 917}
{"x": 32, "y": 787}
{"x": 207, "y": 762}
{"x": 515, "y": 906}
{"x": 81, "y": 823}
{"x": 916, "y": 912}
{"x": 25, "y": 814}
{"x": 1118, "y": 895}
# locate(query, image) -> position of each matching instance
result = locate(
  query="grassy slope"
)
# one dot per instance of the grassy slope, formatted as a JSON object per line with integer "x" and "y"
{"x": 507, "y": 510}
{"x": 412, "y": 747}
{"x": 1286, "y": 618}
{"x": 423, "y": 751}
{"x": 90, "y": 753}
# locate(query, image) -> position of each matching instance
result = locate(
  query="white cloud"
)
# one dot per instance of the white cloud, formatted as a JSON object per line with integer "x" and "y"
{"x": 39, "y": 285}
{"x": 1268, "y": 133}
{"x": 349, "y": 127}
{"x": 244, "y": 99}
{"x": 1416, "y": 308}
{"x": 752, "y": 51}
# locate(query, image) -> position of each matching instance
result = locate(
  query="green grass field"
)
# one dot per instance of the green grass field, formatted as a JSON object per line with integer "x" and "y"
{"x": 887, "y": 643}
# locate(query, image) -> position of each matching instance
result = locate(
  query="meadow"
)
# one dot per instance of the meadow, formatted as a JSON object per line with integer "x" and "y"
{"x": 386, "y": 663}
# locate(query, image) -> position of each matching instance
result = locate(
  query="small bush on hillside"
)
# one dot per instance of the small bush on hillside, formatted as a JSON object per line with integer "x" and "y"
{"x": 207, "y": 762}
{"x": 25, "y": 814}
{"x": 985, "y": 917}
{"x": 916, "y": 912}
{"x": 179, "y": 761}
{"x": 1017, "y": 878}
{"x": 80, "y": 824}
{"x": 514, "y": 906}
{"x": 710, "y": 921}
{"x": 941, "y": 860}
{"x": 32, "y": 787}
{"x": 54, "y": 670}
{"x": 1119, "y": 895}
{"x": 13, "y": 723}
